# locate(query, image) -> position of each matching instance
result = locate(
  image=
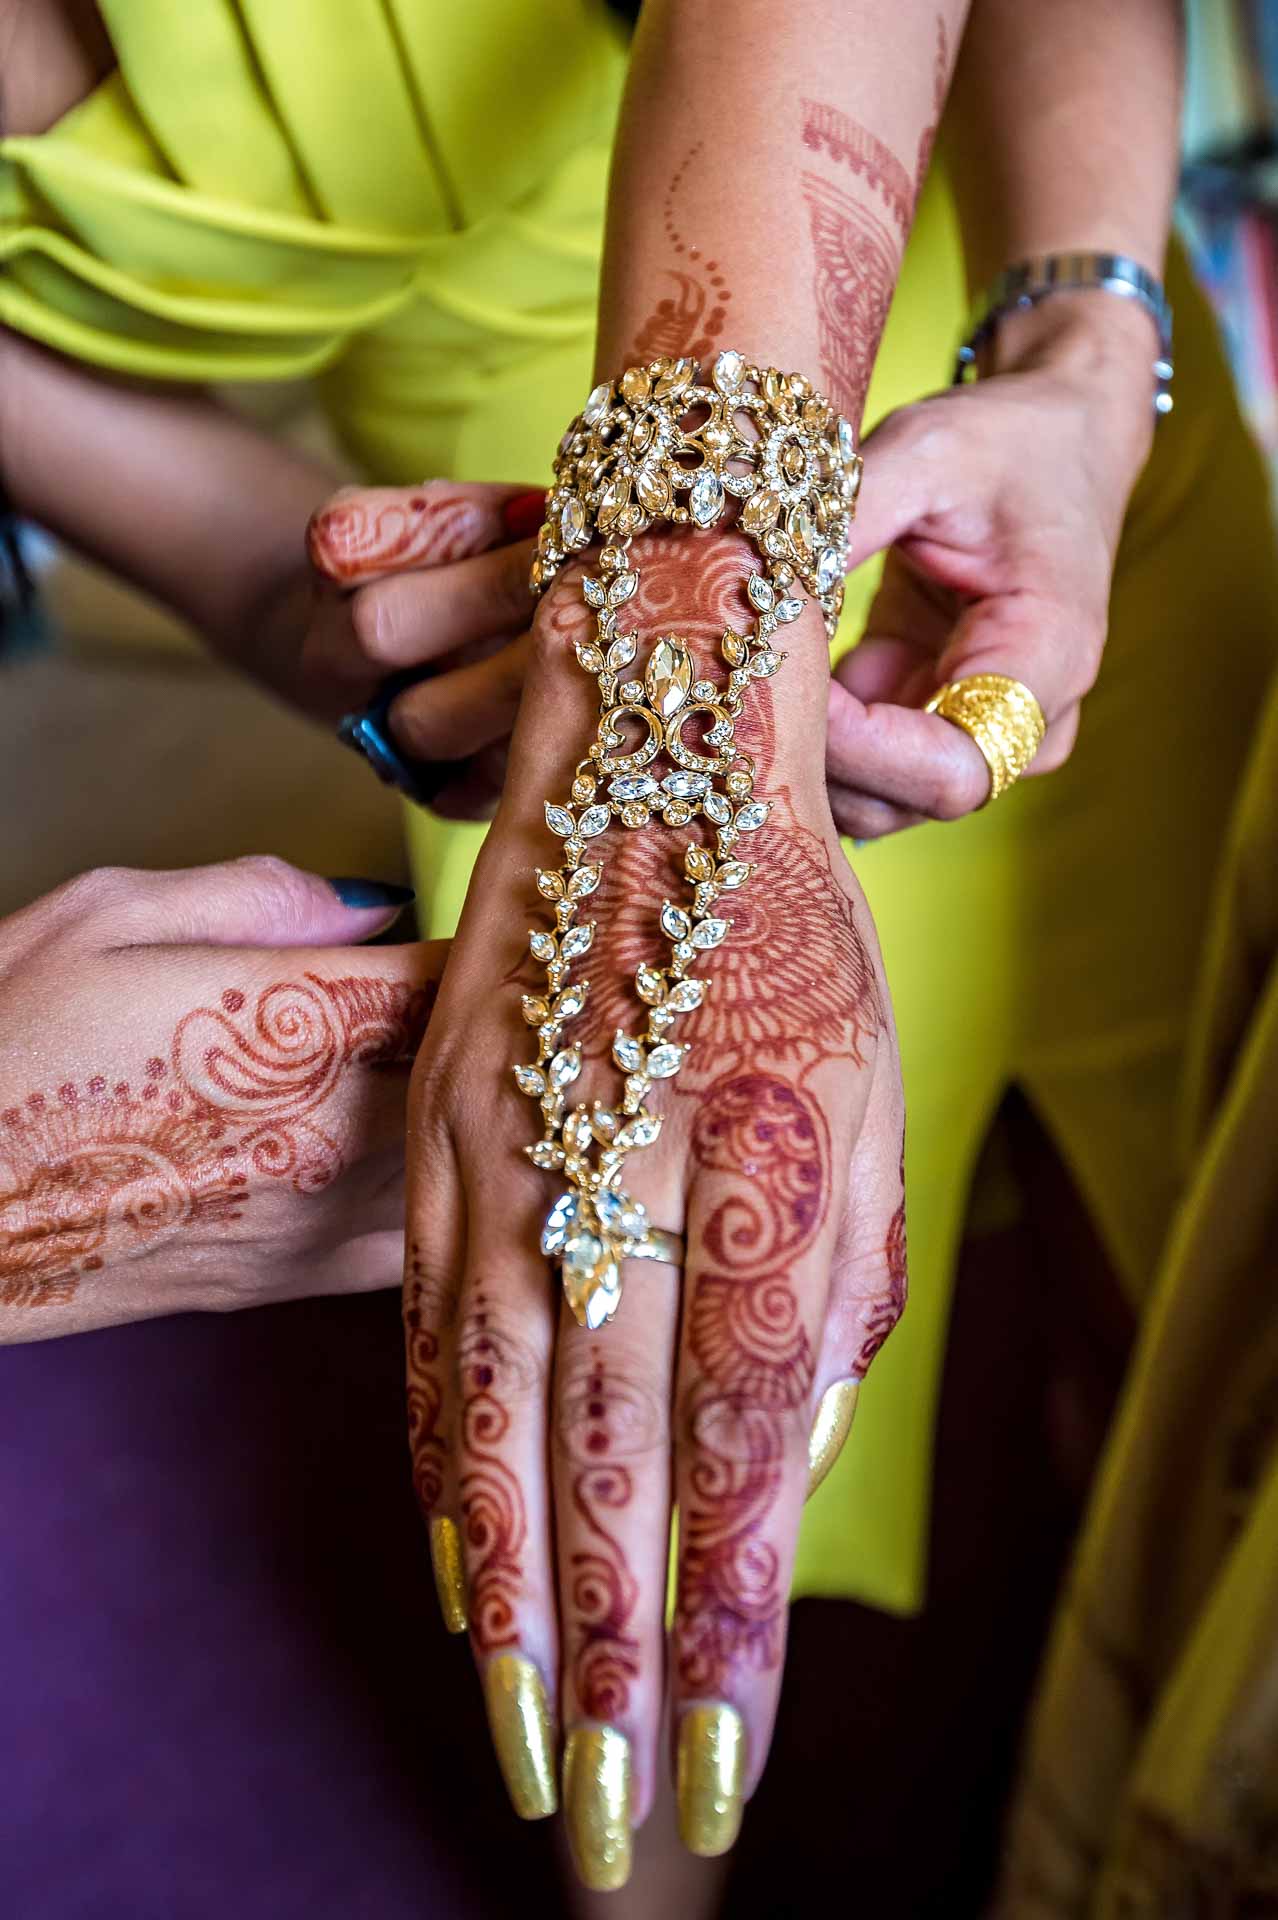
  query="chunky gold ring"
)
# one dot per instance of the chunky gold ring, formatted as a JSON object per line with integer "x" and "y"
{"x": 657, "y": 1244}
{"x": 1001, "y": 716}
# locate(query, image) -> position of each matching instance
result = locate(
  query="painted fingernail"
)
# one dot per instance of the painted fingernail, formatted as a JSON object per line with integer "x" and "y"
{"x": 371, "y": 893}
{"x": 597, "y": 1806}
{"x": 450, "y": 1573}
{"x": 709, "y": 1775}
{"x": 520, "y": 1726}
{"x": 523, "y": 514}
{"x": 830, "y": 1429}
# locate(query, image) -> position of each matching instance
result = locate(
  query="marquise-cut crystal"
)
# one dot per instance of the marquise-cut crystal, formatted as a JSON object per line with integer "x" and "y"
{"x": 627, "y": 1053}
{"x": 668, "y": 676}
{"x": 589, "y": 655}
{"x": 632, "y": 786}
{"x": 577, "y": 941}
{"x": 705, "y": 498}
{"x": 760, "y": 592}
{"x": 530, "y": 1079}
{"x": 593, "y": 590}
{"x": 764, "y": 663}
{"x": 734, "y": 874}
{"x": 708, "y": 933}
{"x": 685, "y": 786}
{"x": 559, "y": 820}
{"x": 641, "y": 1131}
{"x": 593, "y": 821}
{"x": 716, "y": 808}
{"x": 558, "y": 1222}
{"x": 727, "y": 372}
{"x": 686, "y": 996}
{"x": 542, "y": 946}
{"x": 592, "y": 1281}
{"x": 847, "y": 441}
{"x": 564, "y": 1068}
{"x": 574, "y": 530}
{"x": 650, "y": 983}
{"x": 622, "y": 588}
{"x": 760, "y": 511}
{"x": 573, "y": 998}
{"x": 535, "y": 1009}
{"x": 800, "y": 526}
{"x": 597, "y": 405}
{"x": 620, "y": 1216}
{"x": 621, "y": 652}
{"x": 674, "y": 921}
{"x": 664, "y": 1061}
{"x": 829, "y": 570}
{"x": 698, "y": 864}
{"x": 752, "y": 816}
{"x": 789, "y": 609}
{"x": 550, "y": 884}
{"x": 584, "y": 881}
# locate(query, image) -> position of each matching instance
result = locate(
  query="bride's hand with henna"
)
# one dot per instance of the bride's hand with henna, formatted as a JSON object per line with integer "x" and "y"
{"x": 546, "y": 1456}
{"x": 202, "y": 1093}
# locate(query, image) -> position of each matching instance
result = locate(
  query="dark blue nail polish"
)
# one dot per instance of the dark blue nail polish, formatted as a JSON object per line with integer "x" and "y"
{"x": 371, "y": 893}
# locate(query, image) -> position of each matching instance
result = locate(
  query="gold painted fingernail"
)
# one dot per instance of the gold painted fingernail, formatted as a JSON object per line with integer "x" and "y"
{"x": 709, "y": 1777}
{"x": 597, "y": 1805}
{"x": 520, "y": 1726}
{"x": 450, "y": 1573}
{"x": 830, "y": 1429}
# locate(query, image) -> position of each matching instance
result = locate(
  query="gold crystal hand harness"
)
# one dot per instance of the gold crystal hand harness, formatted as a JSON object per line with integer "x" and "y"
{"x": 761, "y": 450}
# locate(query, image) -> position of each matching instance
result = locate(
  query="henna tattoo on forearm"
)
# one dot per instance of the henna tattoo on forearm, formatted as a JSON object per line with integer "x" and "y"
{"x": 106, "y": 1170}
{"x": 768, "y": 1145}
{"x": 856, "y": 257}
{"x": 357, "y": 538}
{"x": 691, "y": 318}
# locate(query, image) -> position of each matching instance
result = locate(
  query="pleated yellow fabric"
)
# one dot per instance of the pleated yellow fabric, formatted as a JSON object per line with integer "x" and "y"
{"x": 406, "y": 201}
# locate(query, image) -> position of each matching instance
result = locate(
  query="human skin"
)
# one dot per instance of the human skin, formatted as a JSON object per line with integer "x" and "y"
{"x": 202, "y": 1095}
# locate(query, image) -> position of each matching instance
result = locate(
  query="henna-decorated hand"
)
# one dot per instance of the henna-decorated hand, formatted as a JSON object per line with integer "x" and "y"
{"x": 202, "y": 1094}
{"x": 554, "y": 1452}
{"x": 432, "y": 577}
{"x": 1001, "y": 505}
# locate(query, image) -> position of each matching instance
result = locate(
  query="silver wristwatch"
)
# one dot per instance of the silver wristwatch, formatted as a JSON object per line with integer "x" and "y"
{"x": 1032, "y": 280}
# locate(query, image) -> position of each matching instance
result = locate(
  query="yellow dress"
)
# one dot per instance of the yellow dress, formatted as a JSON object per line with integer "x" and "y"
{"x": 404, "y": 201}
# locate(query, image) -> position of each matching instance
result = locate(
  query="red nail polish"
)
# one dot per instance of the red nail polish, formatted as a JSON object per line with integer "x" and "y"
{"x": 523, "y": 514}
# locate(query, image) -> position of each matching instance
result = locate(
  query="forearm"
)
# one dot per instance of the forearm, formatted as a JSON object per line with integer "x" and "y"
{"x": 168, "y": 489}
{"x": 764, "y": 179}
{"x": 1063, "y": 129}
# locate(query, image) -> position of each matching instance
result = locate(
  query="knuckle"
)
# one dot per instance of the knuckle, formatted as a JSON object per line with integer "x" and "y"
{"x": 751, "y": 1426}
{"x": 373, "y": 623}
{"x": 604, "y": 1413}
{"x": 283, "y": 895}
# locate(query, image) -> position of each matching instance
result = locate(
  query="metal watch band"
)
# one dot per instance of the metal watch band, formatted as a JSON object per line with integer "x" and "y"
{"x": 1029, "y": 281}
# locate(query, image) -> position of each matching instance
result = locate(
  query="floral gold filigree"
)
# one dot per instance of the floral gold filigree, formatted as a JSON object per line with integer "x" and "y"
{"x": 753, "y": 448}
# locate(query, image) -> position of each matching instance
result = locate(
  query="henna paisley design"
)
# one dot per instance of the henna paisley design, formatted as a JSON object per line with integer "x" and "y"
{"x": 769, "y": 1142}
{"x": 105, "y": 1171}
{"x": 856, "y": 260}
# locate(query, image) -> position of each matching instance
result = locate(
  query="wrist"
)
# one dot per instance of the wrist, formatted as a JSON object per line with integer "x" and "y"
{"x": 1101, "y": 345}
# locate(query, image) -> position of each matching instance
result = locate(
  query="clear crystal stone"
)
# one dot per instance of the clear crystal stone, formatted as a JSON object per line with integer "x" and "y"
{"x": 627, "y": 1053}
{"x": 674, "y": 921}
{"x": 593, "y": 590}
{"x": 685, "y": 786}
{"x": 622, "y": 588}
{"x": 705, "y": 498}
{"x": 752, "y": 816}
{"x": 764, "y": 663}
{"x": 727, "y": 371}
{"x": 530, "y": 1080}
{"x": 686, "y": 996}
{"x": 564, "y": 1068}
{"x": 558, "y": 1221}
{"x": 573, "y": 998}
{"x": 632, "y": 786}
{"x": 708, "y": 933}
{"x": 760, "y": 592}
{"x": 559, "y": 820}
{"x": 716, "y": 808}
{"x": 577, "y": 941}
{"x": 542, "y": 946}
{"x": 573, "y": 528}
{"x": 801, "y": 527}
{"x": 591, "y": 1279}
{"x": 632, "y": 693}
{"x": 829, "y": 570}
{"x": 704, "y": 690}
{"x": 668, "y": 676}
{"x": 847, "y": 441}
{"x": 641, "y": 1131}
{"x": 545, "y": 1154}
{"x": 665, "y": 1060}
{"x": 597, "y": 405}
{"x": 650, "y": 983}
{"x": 593, "y": 821}
{"x": 621, "y": 1216}
{"x": 584, "y": 881}
{"x": 735, "y": 874}
{"x": 789, "y": 609}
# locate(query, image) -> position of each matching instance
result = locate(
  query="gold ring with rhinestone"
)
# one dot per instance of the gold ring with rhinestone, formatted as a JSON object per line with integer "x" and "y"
{"x": 1003, "y": 719}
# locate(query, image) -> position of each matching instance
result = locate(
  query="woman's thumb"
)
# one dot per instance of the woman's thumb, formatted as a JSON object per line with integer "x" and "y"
{"x": 258, "y": 901}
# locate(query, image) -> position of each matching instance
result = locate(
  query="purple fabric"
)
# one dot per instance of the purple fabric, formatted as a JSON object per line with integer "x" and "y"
{"x": 224, "y": 1688}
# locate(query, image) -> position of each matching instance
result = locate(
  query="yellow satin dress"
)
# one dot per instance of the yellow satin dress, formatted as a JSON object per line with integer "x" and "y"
{"x": 404, "y": 201}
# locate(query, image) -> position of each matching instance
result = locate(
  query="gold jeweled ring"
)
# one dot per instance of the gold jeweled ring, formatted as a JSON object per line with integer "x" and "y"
{"x": 1001, "y": 717}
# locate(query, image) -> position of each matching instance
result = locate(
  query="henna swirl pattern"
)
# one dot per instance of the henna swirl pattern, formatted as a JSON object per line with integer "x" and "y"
{"x": 368, "y": 534}
{"x": 104, "y": 1172}
{"x": 494, "y": 1518}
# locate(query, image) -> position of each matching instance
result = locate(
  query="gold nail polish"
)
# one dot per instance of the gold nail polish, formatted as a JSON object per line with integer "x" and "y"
{"x": 597, "y": 1806}
{"x": 520, "y": 1726}
{"x": 830, "y": 1429}
{"x": 450, "y": 1573}
{"x": 709, "y": 1776}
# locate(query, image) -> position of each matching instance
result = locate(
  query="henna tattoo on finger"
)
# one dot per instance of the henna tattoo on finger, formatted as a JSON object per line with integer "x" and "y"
{"x": 353, "y": 539}
{"x": 765, "y": 1145}
{"x": 106, "y": 1170}
{"x": 493, "y": 1368}
{"x": 883, "y": 1312}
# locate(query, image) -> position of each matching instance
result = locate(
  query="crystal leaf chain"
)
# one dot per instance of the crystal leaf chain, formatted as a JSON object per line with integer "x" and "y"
{"x": 661, "y": 447}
